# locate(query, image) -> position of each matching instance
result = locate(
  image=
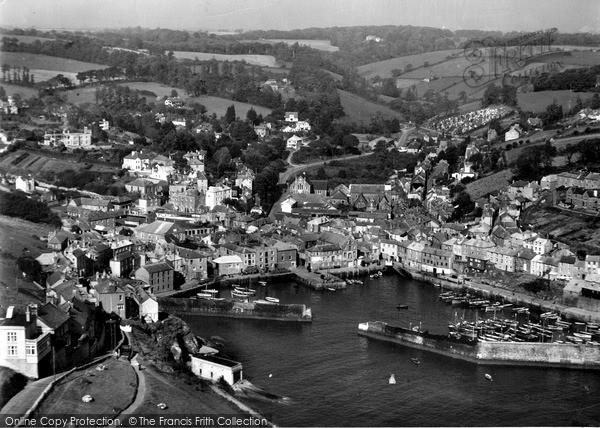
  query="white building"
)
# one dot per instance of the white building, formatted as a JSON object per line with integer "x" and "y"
{"x": 213, "y": 368}
{"x": 25, "y": 184}
{"x": 216, "y": 195}
{"x": 22, "y": 347}
{"x": 295, "y": 142}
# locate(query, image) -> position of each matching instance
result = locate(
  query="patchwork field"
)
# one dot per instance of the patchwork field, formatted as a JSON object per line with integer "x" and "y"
{"x": 384, "y": 68}
{"x": 358, "y": 109}
{"x": 537, "y": 101}
{"x": 261, "y": 60}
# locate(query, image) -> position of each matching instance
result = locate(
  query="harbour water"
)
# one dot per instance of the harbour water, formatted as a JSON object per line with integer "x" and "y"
{"x": 333, "y": 377}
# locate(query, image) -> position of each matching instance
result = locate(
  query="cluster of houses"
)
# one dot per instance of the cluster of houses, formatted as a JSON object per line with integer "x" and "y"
{"x": 579, "y": 190}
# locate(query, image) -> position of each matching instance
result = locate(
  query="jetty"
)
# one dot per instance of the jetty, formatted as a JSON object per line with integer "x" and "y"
{"x": 318, "y": 280}
{"x": 232, "y": 308}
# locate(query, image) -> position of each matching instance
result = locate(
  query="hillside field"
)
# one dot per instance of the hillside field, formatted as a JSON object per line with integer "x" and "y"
{"x": 261, "y": 60}
{"x": 24, "y": 91}
{"x": 45, "y": 62}
{"x": 536, "y": 102}
{"x": 359, "y": 110}
{"x": 384, "y": 68}
{"x": 44, "y": 67}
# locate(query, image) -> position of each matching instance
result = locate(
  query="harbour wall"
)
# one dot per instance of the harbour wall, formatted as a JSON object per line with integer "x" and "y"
{"x": 507, "y": 296}
{"x": 235, "y": 309}
{"x": 565, "y": 355}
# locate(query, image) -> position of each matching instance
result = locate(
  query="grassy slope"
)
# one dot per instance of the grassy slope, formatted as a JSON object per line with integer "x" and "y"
{"x": 358, "y": 109}
{"x": 45, "y": 62}
{"x": 384, "y": 68}
{"x": 262, "y": 60}
{"x": 537, "y": 101}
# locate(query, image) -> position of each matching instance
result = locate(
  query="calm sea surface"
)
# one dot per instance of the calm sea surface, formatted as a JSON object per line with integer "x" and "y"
{"x": 333, "y": 377}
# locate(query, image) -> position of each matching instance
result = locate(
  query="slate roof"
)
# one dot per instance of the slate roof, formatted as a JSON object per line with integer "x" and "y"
{"x": 52, "y": 316}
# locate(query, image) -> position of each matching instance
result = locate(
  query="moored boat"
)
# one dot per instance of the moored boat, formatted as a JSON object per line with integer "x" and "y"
{"x": 392, "y": 380}
{"x": 272, "y": 299}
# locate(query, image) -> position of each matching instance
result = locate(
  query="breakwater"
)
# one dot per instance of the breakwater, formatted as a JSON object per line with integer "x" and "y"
{"x": 564, "y": 355}
{"x": 235, "y": 309}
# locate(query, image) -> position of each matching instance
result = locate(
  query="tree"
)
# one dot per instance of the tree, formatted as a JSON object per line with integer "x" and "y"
{"x": 553, "y": 114}
{"x": 408, "y": 67}
{"x": 30, "y": 267}
{"x": 174, "y": 93}
{"x": 230, "y": 114}
{"x": 491, "y": 95}
{"x": 389, "y": 88}
{"x": 251, "y": 116}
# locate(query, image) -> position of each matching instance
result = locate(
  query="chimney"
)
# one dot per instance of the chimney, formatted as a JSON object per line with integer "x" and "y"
{"x": 28, "y": 315}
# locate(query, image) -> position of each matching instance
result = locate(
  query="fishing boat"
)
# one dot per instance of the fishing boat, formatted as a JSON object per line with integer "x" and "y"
{"x": 488, "y": 377}
{"x": 272, "y": 299}
{"x": 416, "y": 360}
{"x": 392, "y": 380}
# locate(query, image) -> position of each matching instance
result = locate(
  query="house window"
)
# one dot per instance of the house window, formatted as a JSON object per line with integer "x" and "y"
{"x": 120, "y": 297}
{"x": 120, "y": 306}
{"x": 30, "y": 350}
{"x": 12, "y": 351}
{"x": 11, "y": 336}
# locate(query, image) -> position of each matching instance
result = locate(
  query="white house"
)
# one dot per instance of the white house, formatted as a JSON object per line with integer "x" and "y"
{"x": 512, "y": 134}
{"x": 25, "y": 184}
{"x": 216, "y": 195}
{"x": 213, "y": 368}
{"x": 22, "y": 347}
{"x": 295, "y": 142}
{"x": 291, "y": 116}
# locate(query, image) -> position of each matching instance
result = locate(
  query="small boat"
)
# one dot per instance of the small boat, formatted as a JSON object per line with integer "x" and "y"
{"x": 392, "y": 380}
{"x": 416, "y": 360}
{"x": 331, "y": 288}
{"x": 401, "y": 306}
{"x": 272, "y": 299}
{"x": 241, "y": 293}
{"x": 211, "y": 291}
{"x": 262, "y": 283}
{"x": 488, "y": 377}
{"x": 204, "y": 295}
